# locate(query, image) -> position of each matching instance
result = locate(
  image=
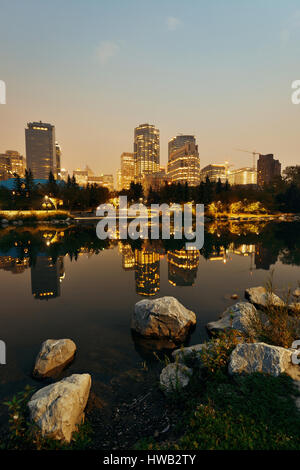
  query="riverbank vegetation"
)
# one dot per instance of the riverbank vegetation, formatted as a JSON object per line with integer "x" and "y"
{"x": 281, "y": 196}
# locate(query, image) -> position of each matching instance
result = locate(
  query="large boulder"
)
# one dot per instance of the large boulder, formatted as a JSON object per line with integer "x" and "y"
{"x": 54, "y": 355}
{"x": 162, "y": 318}
{"x": 174, "y": 377}
{"x": 248, "y": 358}
{"x": 262, "y": 298}
{"x": 58, "y": 409}
{"x": 237, "y": 317}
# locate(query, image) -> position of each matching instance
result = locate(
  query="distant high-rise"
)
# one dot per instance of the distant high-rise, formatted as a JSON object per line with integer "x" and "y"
{"x": 146, "y": 150}
{"x": 119, "y": 179}
{"x": 179, "y": 141}
{"x": 40, "y": 149}
{"x": 58, "y": 160}
{"x": 127, "y": 169}
{"x": 11, "y": 163}
{"x": 184, "y": 160}
{"x": 214, "y": 172}
{"x": 267, "y": 169}
{"x": 243, "y": 176}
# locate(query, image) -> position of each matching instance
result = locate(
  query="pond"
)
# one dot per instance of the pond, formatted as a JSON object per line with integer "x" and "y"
{"x": 62, "y": 282}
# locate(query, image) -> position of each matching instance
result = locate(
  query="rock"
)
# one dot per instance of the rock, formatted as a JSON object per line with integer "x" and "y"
{"x": 174, "y": 377}
{"x": 261, "y": 298}
{"x": 162, "y": 318}
{"x": 296, "y": 292}
{"x": 237, "y": 317}
{"x": 248, "y": 358}
{"x": 189, "y": 353}
{"x": 4, "y": 221}
{"x": 54, "y": 355}
{"x": 58, "y": 409}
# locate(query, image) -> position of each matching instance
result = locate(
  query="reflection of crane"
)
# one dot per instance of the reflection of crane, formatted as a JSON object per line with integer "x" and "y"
{"x": 253, "y": 154}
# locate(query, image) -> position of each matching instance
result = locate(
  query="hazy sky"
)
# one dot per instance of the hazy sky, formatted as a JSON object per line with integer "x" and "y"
{"x": 219, "y": 69}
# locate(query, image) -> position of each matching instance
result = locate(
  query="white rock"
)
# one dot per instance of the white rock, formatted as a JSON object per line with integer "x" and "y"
{"x": 261, "y": 357}
{"x": 237, "y": 317}
{"x": 162, "y": 318}
{"x": 174, "y": 377}
{"x": 54, "y": 355}
{"x": 261, "y": 298}
{"x": 58, "y": 409}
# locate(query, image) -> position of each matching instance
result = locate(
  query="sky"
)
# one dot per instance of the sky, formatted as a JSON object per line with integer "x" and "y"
{"x": 219, "y": 69}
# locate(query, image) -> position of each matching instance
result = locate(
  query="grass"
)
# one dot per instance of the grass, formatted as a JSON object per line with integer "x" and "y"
{"x": 253, "y": 412}
{"x": 25, "y": 435}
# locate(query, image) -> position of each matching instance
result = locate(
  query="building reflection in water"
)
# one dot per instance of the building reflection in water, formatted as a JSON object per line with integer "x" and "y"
{"x": 46, "y": 277}
{"x": 147, "y": 271}
{"x": 128, "y": 258}
{"x": 14, "y": 265}
{"x": 264, "y": 257}
{"x": 183, "y": 267}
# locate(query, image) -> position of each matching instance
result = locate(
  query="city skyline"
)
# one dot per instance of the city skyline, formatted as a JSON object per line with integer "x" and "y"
{"x": 236, "y": 94}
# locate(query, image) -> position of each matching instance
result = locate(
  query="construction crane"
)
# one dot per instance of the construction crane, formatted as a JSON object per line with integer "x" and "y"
{"x": 253, "y": 154}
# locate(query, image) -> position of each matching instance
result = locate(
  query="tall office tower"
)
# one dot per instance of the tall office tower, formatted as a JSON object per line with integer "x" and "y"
{"x": 214, "y": 172}
{"x": 127, "y": 169}
{"x": 179, "y": 141}
{"x": 40, "y": 149}
{"x": 58, "y": 160}
{"x": 146, "y": 150}
{"x": 184, "y": 161}
{"x": 267, "y": 169}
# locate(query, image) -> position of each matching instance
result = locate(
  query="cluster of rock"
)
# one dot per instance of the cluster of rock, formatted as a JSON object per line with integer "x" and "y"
{"x": 246, "y": 358}
{"x": 58, "y": 408}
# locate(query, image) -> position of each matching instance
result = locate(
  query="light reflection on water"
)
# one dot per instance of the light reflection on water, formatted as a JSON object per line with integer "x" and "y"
{"x": 65, "y": 282}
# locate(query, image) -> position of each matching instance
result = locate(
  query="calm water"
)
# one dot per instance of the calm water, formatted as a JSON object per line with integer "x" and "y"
{"x": 63, "y": 282}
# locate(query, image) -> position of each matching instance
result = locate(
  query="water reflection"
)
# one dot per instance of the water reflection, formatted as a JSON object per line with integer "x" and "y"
{"x": 42, "y": 250}
{"x": 46, "y": 276}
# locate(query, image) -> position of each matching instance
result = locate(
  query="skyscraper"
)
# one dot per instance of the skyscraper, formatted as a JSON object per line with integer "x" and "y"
{"x": 58, "y": 160}
{"x": 146, "y": 150}
{"x": 179, "y": 141}
{"x": 183, "y": 160}
{"x": 267, "y": 169}
{"x": 127, "y": 169}
{"x": 40, "y": 149}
